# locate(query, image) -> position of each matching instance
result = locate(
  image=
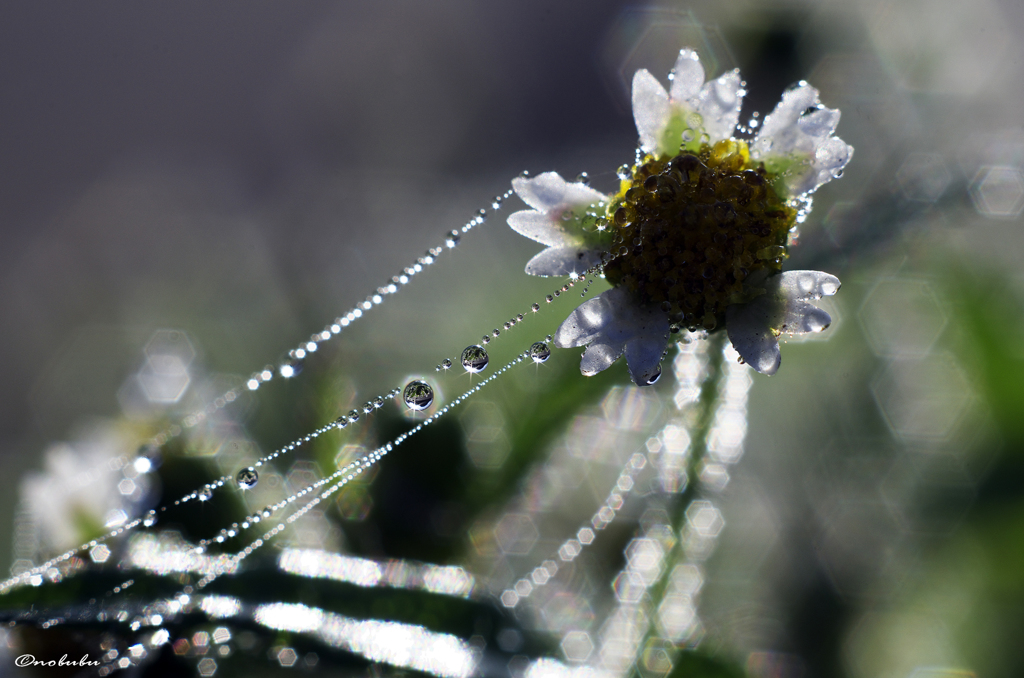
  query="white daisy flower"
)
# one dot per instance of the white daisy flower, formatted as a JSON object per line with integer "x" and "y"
{"x": 564, "y": 217}
{"x": 697, "y": 235}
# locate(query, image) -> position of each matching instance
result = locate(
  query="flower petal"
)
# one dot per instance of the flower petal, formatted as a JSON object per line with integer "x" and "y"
{"x": 719, "y": 104}
{"x": 750, "y": 336}
{"x": 687, "y": 76}
{"x": 599, "y": 356}
{"x": 543, "y": 192}
{"x": 557, "y": 261}
{"x": 643, "y": 356}
{"x": 797, "y": 136}
{"x": 585, "y": 323}
{"x": 801, "y": 317}
{"x": 549, "y": 192}
{"x": 650, "y": 109}
{"x": 540, "y": 227}
{"x": 754, "y": 327}
{"x": 611, "y": 322}
{"x": 780, "y": 133}
{"x": 808, "y": 285}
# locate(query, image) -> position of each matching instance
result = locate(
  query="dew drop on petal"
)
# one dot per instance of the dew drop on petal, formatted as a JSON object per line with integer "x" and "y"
{"x": 653, "y": 379}
{"x": 540, "y": 352}
{"x": 247, "y": 478}
{"x": 418, "y": 395}
{"x": 475, "y": 359}
{"x": 624, "y": 172}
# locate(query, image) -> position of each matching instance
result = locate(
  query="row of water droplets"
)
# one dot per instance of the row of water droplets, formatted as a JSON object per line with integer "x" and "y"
{"x": 293, "y": 364}
{"x": 417, "y": 395}
{"x": 248, "y": 477}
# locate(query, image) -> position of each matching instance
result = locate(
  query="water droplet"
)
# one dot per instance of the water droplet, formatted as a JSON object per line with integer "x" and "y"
{"x": 150, "y": 519}
{"x": 653, "y": 379}
{"x": 418, "y": 395}
{"x": 247, "y": 478}
{"x": 353, "y": 416}
{"x": 446, "y": 363}
{"x": 451, "y": 239}
{"x": 475, "y": 358}
{"x": 368, "y": 407}
{"x": 341, "y": 422}
{"x": 583, "y": 178}
{"x": 535, "y": 307}
{"x": 549, "y": 298}
{"x": 540, "y": 352}
{"x": 378, "y": 402}
{"x": 206, "y": 493}
{"x": 495, "y": 332}
{"x": 624, "y": 172}
{"x": 290, "y": 368}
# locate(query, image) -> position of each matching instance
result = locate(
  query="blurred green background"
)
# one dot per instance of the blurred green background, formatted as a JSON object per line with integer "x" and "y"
{"x": 230, "y": 177}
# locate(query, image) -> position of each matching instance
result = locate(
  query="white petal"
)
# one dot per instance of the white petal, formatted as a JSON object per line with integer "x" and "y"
{"x": 599, "y": 356}
{"x": 780, "y": 133}
{"x": 540, "y": 227}
{"x": 801, "y": 318}
{"x": 687, "y": 76}
{"x": 558, "y": 261}
{"x": 650, "y": 109}
{"x": 543, "y": 192}
{"x": 585, "y": 323}
{"x": 750, "y": 336}
{"x": 613, "y": 321}
{"x": 753, "y": 327}
{"x": 819, "y": 124}
{"x": 643, "y": 356}
{"x": 719, "y": 104}
{"x": 807, "y": 285}
{"x": 800, "y": 127}
{"x": 580, "y": 195}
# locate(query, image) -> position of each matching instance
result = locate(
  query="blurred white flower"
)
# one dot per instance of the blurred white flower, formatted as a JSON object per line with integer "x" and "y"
{"x": 87, "y": 487}
{"x": 697, "y": 233}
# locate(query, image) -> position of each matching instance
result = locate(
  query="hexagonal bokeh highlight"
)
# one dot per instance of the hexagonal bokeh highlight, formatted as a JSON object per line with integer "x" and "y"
{"x": 516, "y": 534}
{"x": 164, "y": 377}
{"x": 645, "y": 557}
{"x": 923, "y": 177}
{"x": 998, "y": 191}
{"x": 577, "y": 646}
{"x": 651, "y": 37}
{"x": 677, "y": 617}
{"x": 629, "y": 587}
{"x": 170, "y": 342}
{"x": 902, "y": 317}
{"x": 922, "y": 398}
{"x": 704, "y": 518}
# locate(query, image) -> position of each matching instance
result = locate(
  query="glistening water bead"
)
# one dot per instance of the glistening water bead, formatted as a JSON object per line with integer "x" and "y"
{"x": 418, "y": 395}
{"x": 247, "y": 478}
{"x": 540, "y": 352}
{"x": 475, "y": 358}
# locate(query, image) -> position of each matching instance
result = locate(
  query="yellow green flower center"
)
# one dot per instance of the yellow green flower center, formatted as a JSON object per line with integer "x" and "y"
{"x": 688, "y": 230}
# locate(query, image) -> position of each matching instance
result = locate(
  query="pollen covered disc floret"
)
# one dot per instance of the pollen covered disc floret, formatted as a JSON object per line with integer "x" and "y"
{"x": 692, "y": 228}
{"x": 698, "y": 231}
